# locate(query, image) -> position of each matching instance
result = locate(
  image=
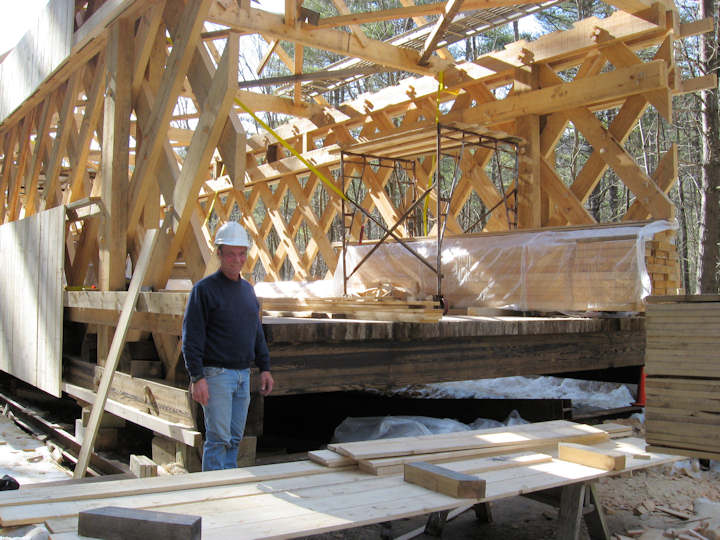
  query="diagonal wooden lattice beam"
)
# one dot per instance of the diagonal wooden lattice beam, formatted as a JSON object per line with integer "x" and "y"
{"x": 184, "y": 41}
{"x": 66, "y": 122}
{"x": 24, "y": 151}
{"x": 39, "y": 152}
{"x": 665, "y": 175}
{"x": 617, "y": 158}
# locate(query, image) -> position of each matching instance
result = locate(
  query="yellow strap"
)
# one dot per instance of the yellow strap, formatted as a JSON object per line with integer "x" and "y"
{"x": 282, "y": 141}
{"x": 212, "y": 205}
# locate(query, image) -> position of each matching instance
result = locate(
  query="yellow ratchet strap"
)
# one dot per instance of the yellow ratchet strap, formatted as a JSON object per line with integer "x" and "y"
{"x": 282, "y": 141}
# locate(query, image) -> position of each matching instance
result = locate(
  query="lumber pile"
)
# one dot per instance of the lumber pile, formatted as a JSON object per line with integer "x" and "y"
{"x": 389, "y": 456}
{"x": 683, "y": 375}
{"x": 301, "y": 498}
{"x": 564, "y": 269}
{"x": 663, "y": 264}
{"x": 373, "y": 309}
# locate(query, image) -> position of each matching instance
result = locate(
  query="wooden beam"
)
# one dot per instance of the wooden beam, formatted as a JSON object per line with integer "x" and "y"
{"x": 568, "y": 205}
{"x": 91, "y": 116}
{"x": 378, "y": 52}
{"x": 115, "y": 156}
{"x": 665, "y": 175}
{"x": 267, "y": 102}
{"x": 356, "y": 30}
{"x": 206, "y": 137}
{"x": 600, "y": 88}
{"x": 232, "y": 145}
{"x": 184, "y": 42}
{"x": 24, "y": 151}
{"x": 66, "y": 122}
{"x": 144, "y": 42}
{"x": 115, "y": 349}
{"x": 613, "y": 153}
{"x": 444, "y": 480}
{"x": 178, "y": 432}
{"x": 452, "y": 8}
{"x": 529, "y": 214}
{"x": 298, "y": 68}
{"x": 266, "y": 57}
{"x": 8, "y": 165}
{"x": 291, "y": 13}
{"x": 407, "y": 12}
{"x": 598, "y": 458}
{"x": 31, "y": 182}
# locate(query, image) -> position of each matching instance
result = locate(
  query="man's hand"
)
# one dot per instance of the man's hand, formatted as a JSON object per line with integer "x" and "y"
{"x": 199, "y": 391}
{"x": 266, "y": 383}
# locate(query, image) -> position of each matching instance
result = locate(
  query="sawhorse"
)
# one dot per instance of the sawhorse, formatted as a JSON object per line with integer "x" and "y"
{"x": 575, "y": 502}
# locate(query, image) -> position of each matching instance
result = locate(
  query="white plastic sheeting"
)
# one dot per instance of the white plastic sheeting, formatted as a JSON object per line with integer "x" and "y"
{"x": 598, "y": 268}
{"x": 585, "y": 395}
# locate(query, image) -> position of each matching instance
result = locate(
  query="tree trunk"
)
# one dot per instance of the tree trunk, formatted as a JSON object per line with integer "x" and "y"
{"x": 707, "y": 277}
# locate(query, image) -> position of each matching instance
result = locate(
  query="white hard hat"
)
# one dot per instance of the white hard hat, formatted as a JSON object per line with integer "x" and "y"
{"x": 232, "y": 234}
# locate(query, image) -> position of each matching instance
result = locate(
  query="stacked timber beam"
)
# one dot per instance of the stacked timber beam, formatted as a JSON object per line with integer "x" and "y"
{"x": 303, "y": 498}
{"x": 683, "y": 375}
{"x": 663, "y": 264}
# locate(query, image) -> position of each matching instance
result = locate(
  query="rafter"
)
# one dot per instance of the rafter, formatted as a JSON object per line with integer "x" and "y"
{"x": 378, "y": 52}
{"x": 452, "y": 8}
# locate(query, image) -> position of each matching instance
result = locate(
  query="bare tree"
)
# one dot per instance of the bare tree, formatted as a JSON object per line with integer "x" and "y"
{"x": 707, "y": 276}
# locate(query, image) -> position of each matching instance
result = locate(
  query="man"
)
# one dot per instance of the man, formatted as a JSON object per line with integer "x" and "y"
{"x": 222, "y": 336}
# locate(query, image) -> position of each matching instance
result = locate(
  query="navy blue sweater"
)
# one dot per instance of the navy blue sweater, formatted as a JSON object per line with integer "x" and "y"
{"x": 222, "y": 326}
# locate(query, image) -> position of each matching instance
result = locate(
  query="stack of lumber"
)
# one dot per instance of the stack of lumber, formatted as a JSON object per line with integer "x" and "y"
{"x": 683, "y": 375}
{"x": 663, "y": 264}
{"x": 374, "y": 309}
{"x": 296, "y": 499}
{"x": 578, "y": 269}
{"x": 388, "y": 456}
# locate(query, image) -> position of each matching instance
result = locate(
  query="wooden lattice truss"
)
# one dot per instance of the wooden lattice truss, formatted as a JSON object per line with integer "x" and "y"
{"x": 104, "y": 128}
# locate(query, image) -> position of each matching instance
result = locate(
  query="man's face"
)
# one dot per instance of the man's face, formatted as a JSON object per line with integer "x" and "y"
{"x": 232, "y": 259}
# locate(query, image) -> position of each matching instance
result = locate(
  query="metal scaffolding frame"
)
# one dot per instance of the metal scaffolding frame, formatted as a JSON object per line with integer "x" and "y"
{"x": 446, "y": 136}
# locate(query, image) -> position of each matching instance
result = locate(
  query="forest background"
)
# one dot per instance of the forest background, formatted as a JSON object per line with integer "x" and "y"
{"x": 695, "y": 126}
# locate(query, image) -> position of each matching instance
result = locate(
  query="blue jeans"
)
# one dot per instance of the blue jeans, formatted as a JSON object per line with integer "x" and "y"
{"x": 225, "y": 416}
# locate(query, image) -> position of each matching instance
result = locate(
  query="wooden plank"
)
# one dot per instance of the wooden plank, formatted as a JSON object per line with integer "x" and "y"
{"x": 608, "y": 460}
{"x": 162, "y": 486}
{"x": 31, "y": 317}
{"x": 178, "y": 432}
{"x": 115, "y": 350}
{"x": 317, "y": 509}
{"x": 504, "y": 436}
{"x": 443, "y": 480}
{"x": 328, "y": 458}
{"x": 500, "y": 458}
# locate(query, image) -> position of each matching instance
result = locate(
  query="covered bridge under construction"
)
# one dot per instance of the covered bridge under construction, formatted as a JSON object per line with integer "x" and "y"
{"x": 123, "y": 146}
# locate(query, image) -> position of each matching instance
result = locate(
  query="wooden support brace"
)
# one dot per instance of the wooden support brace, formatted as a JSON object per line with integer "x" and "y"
{"x": 115, "y": 350}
